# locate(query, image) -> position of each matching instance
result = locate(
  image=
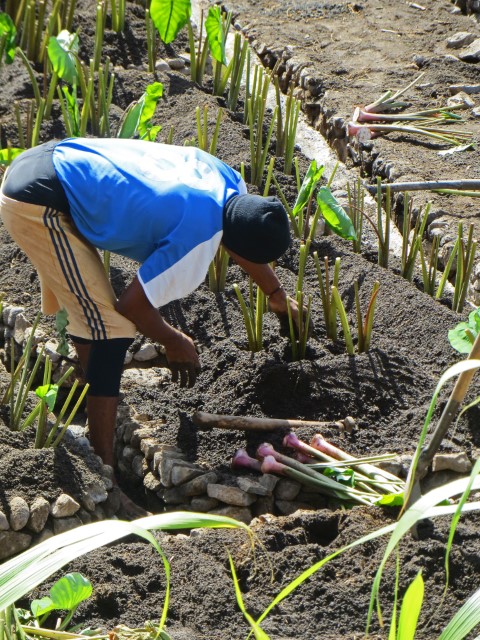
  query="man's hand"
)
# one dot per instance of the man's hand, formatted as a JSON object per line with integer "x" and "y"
{"x": 182, "y": 359}
{"x": 180, "y": 351}
{"x": 279, "y": 305}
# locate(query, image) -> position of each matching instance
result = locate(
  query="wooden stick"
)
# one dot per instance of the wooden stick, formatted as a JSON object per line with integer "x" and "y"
{"x": 242, "y": 423}
{"x": 431, "y": 185}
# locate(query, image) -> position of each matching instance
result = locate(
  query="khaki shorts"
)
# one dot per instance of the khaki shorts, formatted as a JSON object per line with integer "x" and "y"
{"x": 70, "y": 270}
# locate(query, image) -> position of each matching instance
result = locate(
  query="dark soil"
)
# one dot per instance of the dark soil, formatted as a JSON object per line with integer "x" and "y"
{"x": 387, "y": 390}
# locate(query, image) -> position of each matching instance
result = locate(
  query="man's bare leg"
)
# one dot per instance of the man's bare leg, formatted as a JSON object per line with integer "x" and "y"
{"x": 102, "y": 418}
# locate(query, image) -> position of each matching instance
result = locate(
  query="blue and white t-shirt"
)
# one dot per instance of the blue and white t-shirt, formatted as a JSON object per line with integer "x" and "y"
{"x": 161, "y": 205}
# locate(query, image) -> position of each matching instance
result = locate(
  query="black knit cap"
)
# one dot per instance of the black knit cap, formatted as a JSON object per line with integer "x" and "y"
{"x": 256, "y": 228}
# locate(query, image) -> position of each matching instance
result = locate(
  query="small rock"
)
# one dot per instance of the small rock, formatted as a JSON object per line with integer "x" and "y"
{"x": 243, "y": 514}
{"x": 60, "y": 525}
{"x": 19, "y": 513}
{"x": 167, "y": 463}
{"x": 107, "y": 483}
{"x": 149, "y": 448}
{"x": 458, "y": 462}
{"x": 9, "y": 314}
{"x": 21, "y": 324}
{"x": 43, "y": 535}
{"x": 111, "y": 506}
{"x": 466, "y": 88}
{"x": 176, "y": 63}
{"x": 313, "y": 499}
{"x": 151, "y": 482}
{"x": 269, "y": 481}
{"x": 143, "y": 433}
{"x": 39, "y": 512}
{"x": 128, "y": 358}
{"x": 108, "y": 472}
{"x": 162, "y": 65}
{"x": 64, "y": 506}
{"x": 99, "y": 514}
{"x": 87, "y": 502}
{"x": 461, "y": 98}
{"x": 230, "y": 495}
{"x": 287, "y": 489}
{"x": 264, "y": 504}
{"x": 476, "y": 112}
{"x": 96, "y": 491}
{"x": 196, "y": 487}
{"x": 84, "y": 516}
{"x": 145, "y": 353}
{"x": 471, "y": 53}
{"x": 139, "y": 466}
{"x": 183, "y": 472}
{"x": 203, "y": 504}
{"x": 460, "y": 39}
{"x": 287, "y": 507}
{"x": 129, "y": 453}
{"x": 51, "y": 350}
{"x": 251, "y": 486}
{"x": 12, "y": 542}
{"x": 4, "y": 526}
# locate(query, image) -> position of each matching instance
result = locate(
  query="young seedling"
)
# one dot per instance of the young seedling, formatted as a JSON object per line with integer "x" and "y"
{"x": 65, "y": 595}
{"x": 411, "y": 240}
{"x": 217, "y": 25}
{"x": 202, "y": 130}
{"x": 466, "y": 250}
{"x": 287, "y": 122}
{"x": 252, "y": 315}
{"x": 239, "y": 56}
{"x": 328, "y": 302}
{"x": 464, "y": 334}
{"x": 429, "y": 268}
{"x": 364, "y": 326}
{"x": 8, "y": 36}
{"x": 217, "y": 271}
{"x": 299, "y": 332}
{"x": 356, "y": 212}
{"x": 137, "y": 117}
{"x": 198, "y": 52}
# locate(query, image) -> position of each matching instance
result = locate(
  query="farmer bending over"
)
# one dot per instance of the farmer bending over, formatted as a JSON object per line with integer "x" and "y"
{"x": 168, "y": 208}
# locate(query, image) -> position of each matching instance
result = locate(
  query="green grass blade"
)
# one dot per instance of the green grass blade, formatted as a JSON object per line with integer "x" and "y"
{"x": 411, "y": 606}
{"x": 257, "y": 631}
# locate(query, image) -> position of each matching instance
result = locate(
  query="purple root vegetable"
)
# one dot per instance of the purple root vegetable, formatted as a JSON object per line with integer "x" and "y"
{"x": 241, "y": 460}
{"x": 265, "y": 450}
{"x": 270, "y": 465}
{"x": 319, "y": 443}
{"x": 301, "y": 457}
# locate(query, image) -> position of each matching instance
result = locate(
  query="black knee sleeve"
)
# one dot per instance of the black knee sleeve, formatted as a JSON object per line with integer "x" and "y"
{"x": 105, "y": 365}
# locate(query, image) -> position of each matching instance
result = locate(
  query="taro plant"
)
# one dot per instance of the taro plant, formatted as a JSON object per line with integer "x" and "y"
{"x": 364, "y": 325}
{"x": 411, "y": 238}
{"x": 217, "y": 270}
{"x": 66, "y": 594}
{"x": 356, "y": 211}
{"x": 170, "y": 17}
{"x": 252, "y": 315}
{"x": 287, "y": 122}
{"x": 204, "y": 142}
{"x": 8, "y": 35}
{"x": 299, "y": 331}
{"x": 465, "y": 251}
{"x": 328, "y": 301}
{"x": 217, "y": 25}
{"x": 137, "y": 117}
{"x": 463, "y": 335}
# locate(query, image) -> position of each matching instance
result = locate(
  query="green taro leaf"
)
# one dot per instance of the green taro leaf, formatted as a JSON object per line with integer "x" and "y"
{"x": 344, "y": 476}
{"x": 68, "y": 592}
{"x": 9, "y": 31}
{"x": 391, "y": 500}
{"x": 42, "y": 606}
{"x": 169, "y": 16}
{"x": 138, "y": 115}
{"x": 62, "y": 52}
{"x": 335, "y": 216}
{"x": 48, "y": 393}
{"x": 214, "y": 29}
{"x": 309, "y": 183}
{"x": 7, "y": 155}
{"x": 463, "y": 335}
{"x": 61, "y": 324}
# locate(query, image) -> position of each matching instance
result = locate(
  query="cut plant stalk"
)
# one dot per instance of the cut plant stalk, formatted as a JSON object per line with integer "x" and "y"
{"x": 430, "y": 115}
{"x": 259, "y": 149}
{"x": 274, "y": 462}
{"x": 241, "y": 460}
{"x": 375, "y": 473}
{"x": 118, "y": 15}
{"x": 389, "y": 100}
{"x": 366, "y": 131}
{"x": 364, "y": 480}
{"x": 342, "y": 314}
